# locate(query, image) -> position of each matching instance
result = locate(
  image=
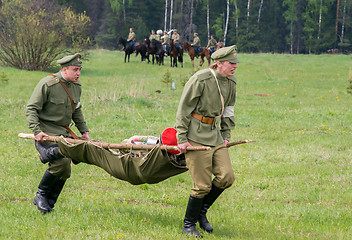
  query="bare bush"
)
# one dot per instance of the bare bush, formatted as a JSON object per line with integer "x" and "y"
{"x": 33, "y": 33}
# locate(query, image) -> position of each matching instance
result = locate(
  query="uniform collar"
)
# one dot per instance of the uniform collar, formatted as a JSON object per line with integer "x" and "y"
{"x": 222, "y": 78}
{"x": 65, "y": 81}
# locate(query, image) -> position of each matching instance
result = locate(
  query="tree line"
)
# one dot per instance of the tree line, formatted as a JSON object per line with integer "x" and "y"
{"x": 280, "y": 26}
{"x": 283, "y": 26}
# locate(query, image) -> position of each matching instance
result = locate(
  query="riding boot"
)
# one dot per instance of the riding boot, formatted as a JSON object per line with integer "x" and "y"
{"x": 209, "y": 199}
{"x": 192, "y": 214}
{"x": 55, "y": 192}
{"x": 47, "y": 152}
{"x": 44, "y": 189}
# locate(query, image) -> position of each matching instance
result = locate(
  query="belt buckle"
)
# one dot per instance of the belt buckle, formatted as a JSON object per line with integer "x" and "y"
{"x": 202, "y": 119}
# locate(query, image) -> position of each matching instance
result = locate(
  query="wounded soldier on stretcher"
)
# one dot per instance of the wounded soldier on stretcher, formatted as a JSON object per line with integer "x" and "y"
{"x": 131, "y": 166}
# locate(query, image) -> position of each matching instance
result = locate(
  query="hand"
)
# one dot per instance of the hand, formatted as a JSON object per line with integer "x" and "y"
{"x": 183, "y": 147}
{"x": 226, "y": 142}
{"x": 39, "y": 137}
{"x": 85, "y": 136}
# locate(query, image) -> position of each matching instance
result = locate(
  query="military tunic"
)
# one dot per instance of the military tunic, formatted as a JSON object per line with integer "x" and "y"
{"x": 166, "y": 39}
{"x": 175, "y": 37}
{"x": 196, "y": 42}
{"x": 131, "y": 36}
{"x": 49, "y": 109}
{"x": 201, "y": 95}
{"x": 154, "y": 36}
{"x": 212, "y": 43}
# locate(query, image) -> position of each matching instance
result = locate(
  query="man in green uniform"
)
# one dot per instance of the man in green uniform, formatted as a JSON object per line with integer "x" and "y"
{"x": 133, "y": 166}
{"x": 176, "y": 38}
{"x": 131, "y": 38}
{"x": 54, "y": 103}
{"x": 166, "y": 41}
{"x": 205, "y": 116}
{"x": 154, "y": 36}
{"x": 212, "y": 44}
{"x": 196, "y": 44}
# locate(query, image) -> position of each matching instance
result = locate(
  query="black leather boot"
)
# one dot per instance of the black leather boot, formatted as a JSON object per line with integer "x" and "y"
{"x": 209, "y": 199}
{"x": 44, "y": 189}
{"x": 192, "y": 214}
{"x": 47, "y": 152}
{"x": 55, "y": 192}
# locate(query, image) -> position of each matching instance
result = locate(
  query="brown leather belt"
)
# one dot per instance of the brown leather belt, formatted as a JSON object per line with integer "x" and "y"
{"x": 207, "y": 120}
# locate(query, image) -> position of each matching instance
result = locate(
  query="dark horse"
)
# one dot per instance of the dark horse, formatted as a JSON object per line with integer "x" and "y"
{"x": 126, "y": 47}
{"x": 192, "y": 53}
{"x": 175, "y": 54}
{"x": 142, "y": 50}
{"x": 155, "y": 49}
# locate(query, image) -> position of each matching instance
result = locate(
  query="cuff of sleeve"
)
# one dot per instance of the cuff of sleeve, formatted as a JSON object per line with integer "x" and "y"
{"x": 226, "y": 135}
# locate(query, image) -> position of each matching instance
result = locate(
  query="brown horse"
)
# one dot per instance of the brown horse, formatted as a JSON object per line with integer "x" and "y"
{"x": 175, "y": 54}
{"x": 192, "y": 53}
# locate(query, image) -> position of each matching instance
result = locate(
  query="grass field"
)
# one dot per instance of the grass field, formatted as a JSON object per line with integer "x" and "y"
{"x": 293, "y": 183}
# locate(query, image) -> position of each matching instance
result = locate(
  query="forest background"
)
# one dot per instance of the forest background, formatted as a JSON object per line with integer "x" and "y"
{"x": 280, "y": 26}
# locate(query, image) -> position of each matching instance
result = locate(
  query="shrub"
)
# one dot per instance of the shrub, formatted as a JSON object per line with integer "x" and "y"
{"x": 33, "y": 33}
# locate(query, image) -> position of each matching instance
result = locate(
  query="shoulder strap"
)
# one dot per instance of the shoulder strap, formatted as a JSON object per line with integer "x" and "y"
{"x": 221, "y": 97}
{"x": 68, "y": 93}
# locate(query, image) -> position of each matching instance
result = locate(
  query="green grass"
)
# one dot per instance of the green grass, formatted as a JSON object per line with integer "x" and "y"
{"x": 293, "y": 183}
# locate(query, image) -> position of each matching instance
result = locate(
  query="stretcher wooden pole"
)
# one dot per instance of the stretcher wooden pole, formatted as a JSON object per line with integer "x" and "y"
{"x": 127, "y": 146}
{"x": 113, "y": 145}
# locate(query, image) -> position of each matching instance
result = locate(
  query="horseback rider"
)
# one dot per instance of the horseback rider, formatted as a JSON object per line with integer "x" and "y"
{"x": 166, "y": 41}
{"x": 154, "y": 36}
{"x": 196, "y": 44}
{"x": 176, "y": 38}
{"x": 212, "y": 44}
{"x": 131, "y": 38}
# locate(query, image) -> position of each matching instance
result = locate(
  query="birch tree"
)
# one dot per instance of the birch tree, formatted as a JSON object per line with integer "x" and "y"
{"x": 165, "y": 18}
{"x": 171, "y": 12}
{"x": 227, "y": 19}
{"x": 290, "y": 16}
{"x": 260, "y": 10}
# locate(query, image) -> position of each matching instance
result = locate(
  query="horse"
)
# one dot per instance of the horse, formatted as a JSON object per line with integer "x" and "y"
{"x": 155, "y": 49}
{"x": 192, "y": 53}
{"x": 159, "y": 51}
{"x": 126, "y": 47}
{"x": 175, "y": 54}
{"x": 142, "y": 50}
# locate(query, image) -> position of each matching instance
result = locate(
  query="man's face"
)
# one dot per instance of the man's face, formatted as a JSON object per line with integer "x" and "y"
{"x": 71, "y": 73}
{"x": 226, "y": 69}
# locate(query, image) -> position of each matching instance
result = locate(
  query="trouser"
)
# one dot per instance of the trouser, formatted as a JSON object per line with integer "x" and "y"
{"x": 203, "y": 164}
{"x": 154, "y": 167}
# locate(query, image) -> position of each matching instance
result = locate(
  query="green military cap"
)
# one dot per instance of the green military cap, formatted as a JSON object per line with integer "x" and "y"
{"x": 226, "y": 54}
{"x": 70, "y": 60}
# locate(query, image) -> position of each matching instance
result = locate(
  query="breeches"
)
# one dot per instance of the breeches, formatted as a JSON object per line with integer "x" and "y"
{"x": 203, "y": 164}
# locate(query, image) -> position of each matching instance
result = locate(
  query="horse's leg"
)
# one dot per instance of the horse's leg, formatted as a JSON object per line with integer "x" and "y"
{"x": 201, "y": 61}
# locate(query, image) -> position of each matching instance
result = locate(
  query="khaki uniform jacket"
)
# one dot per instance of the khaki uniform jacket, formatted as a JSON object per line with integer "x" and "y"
{"x": 131, "y": 36}
{"x": 175, "y": 37}
{"x": 196, "y": 42}
{"x": 154, "y": 36}
{"x": 201, "y": 95}
{"x": 49, "y": 108}
{"x": 166, "y": 39}
{"x": 212, "y": 43}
